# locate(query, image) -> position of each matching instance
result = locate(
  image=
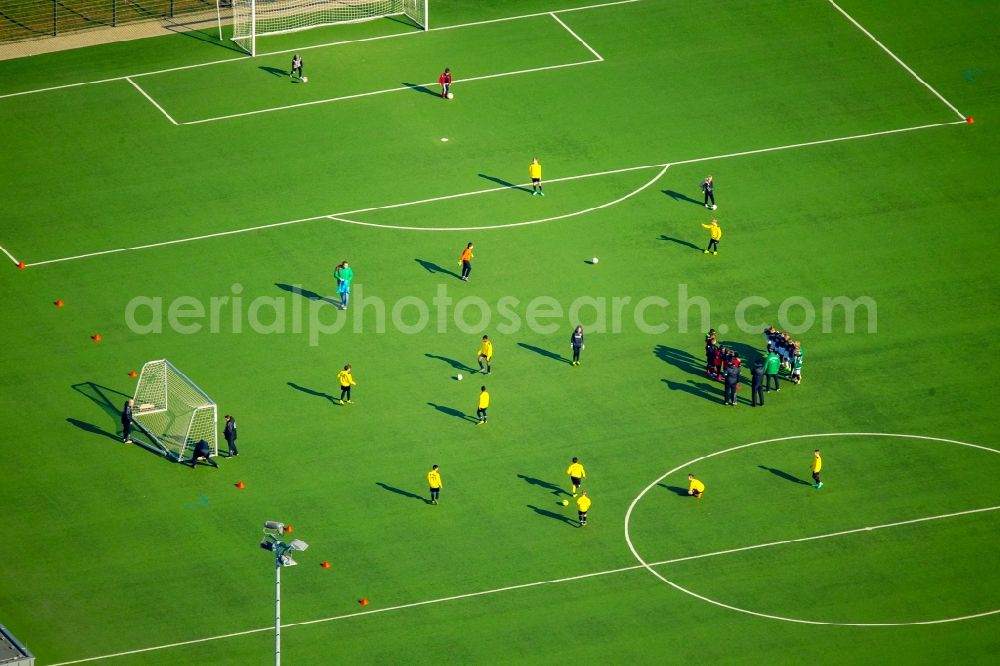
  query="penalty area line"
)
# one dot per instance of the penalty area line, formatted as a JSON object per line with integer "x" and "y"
{"x": 151, "y": 100}
{"x": 370, "y": 93}
{"x": 898, "y": 60}
{"x": 10, "y": 256}
{"x": 523, "y": 586}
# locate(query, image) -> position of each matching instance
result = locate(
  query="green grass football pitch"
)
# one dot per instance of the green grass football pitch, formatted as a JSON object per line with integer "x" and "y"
{"x": 189, "y": 203}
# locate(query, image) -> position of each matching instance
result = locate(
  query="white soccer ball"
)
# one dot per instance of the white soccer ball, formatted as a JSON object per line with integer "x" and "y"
{"x": 451, "y": 95}
{"x": 714, "y": 206}
{"x": 305, "y": 79}
{"x": 458, "y": 377}
{"x": 594, "y": 260}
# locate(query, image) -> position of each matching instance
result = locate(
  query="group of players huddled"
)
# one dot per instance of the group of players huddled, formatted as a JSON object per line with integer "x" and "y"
{"x": 724, "y": 364}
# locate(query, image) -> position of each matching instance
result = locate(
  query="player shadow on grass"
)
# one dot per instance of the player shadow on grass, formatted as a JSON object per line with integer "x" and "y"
{"x": 784, "y": 475}
{"x": 545, "y": 352}
{"x": 305, "y": 293}
{"x": 431, "y": 267}
{"x": 451, "y": 411}
{"x": 416, "y": 87}
{"x": 505, "y": 183}
{"x": 109, "y": 400}
{"x": 274, "y": 70}
{"x": 318, "y": 394}
{"x": 699, "y": 390}
{"x": 96, "y": 430}
{"x": 678, "y": 196}
{"x": 664, "y": 237}
{"x": 458, "y": 365}
{"x": 680, "y": 359}
{"x": 552, "y": 514}
{"x": 747, "y": 353}
{"x": 677, "y": 490}
{"x": 556, "y": 490}
{"x": 93, "y": 429}
{"x": 404, "y": 493}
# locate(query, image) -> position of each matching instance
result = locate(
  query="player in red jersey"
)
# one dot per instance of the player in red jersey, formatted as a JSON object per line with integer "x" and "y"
{"x": 445, "y": 81}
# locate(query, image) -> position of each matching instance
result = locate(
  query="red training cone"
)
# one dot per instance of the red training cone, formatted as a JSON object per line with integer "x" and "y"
{"x": 59, "y": 303}
{"x": 325, "y": 565}
{"x": 133, "y": 374}
{"x": 96, "y": 337}
{"x": 21, "y": 265}
{"x": 969, "y": 120}
{"x": 363, "y": 601}
{"x": 241, "y": 485}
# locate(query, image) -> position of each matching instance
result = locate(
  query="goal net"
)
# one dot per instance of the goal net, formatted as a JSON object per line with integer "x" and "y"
{"x": 172, "y": 411}
{"x": 256, "y": 18}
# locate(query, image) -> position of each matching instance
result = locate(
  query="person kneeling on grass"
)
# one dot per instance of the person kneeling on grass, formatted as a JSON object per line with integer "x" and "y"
{"x": 695, "y": 487}
{"x": 202, "y": 453}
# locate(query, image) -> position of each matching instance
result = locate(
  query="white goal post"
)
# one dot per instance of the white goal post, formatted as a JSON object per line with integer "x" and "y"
{"x": 173, "y": 412}
{"x": 256, "y": 18}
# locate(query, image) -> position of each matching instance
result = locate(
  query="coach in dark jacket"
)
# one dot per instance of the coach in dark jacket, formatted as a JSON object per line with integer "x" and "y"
{"x": 732, "y": 379}
{"x": 757, "y": 383}
{"x": 230, "y": 434}
{"x": 127, "y": 421}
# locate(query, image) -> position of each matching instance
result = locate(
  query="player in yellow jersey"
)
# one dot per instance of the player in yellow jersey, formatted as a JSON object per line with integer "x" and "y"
{"x": 714, "y": 236}
{"x": 695, "y": 487}
{"x": 582, "y": 507}
{"x": 346, "y": 382}
{"x": 485, "y": 354}
{"x": 535, "y": 172}
{"x": 576, "y": 475}
{"x": 434, "y": 481}
{"x": 815, "y": 467}
{"x": 484, "y": 403}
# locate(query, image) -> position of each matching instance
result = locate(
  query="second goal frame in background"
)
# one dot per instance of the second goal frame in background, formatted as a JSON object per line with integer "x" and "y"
{"x": 257, "y": 18}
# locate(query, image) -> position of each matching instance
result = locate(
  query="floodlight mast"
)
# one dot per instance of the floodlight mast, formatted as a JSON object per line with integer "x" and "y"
{"x": 272, "y": 531}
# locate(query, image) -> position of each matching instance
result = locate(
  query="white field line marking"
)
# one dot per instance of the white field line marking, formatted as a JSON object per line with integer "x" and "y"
{"x": 151, "y": 100}
{"x": 317, "y": 46}
{"x": 578, "y": 38}
{"x": 488, "y": 190}
{"x": 381, "y": 92}
{"x": 825, "y": 536}
{"x": 649, "y": 567}
{"x": 521, "y": 586}
{"x": 10, "y": 256}
{"x": 513, "y": 224}
{"x": 894, "y": 57}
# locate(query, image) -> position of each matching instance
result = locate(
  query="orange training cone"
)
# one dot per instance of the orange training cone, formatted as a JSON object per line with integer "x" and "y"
{"x": 21, "y": 265}
{"x": 363, "y": 601}
{"x": 241, "y": 485}
{"x": 969, "y": 120}
{"x": 288, "y": 528}
{"x": 133, "y": 374}
{"x": 96, "y": 337}
{"x": 59, "y": 303}
{"x": 325, "y": 565}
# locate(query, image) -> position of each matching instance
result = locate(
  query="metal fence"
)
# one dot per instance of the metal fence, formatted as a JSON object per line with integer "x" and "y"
{"x": 33, "y": 19}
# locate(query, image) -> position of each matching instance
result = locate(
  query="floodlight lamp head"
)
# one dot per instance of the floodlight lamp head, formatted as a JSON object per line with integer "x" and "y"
{"x": 274, "y": 525}
{"x": 298, "y": 544}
